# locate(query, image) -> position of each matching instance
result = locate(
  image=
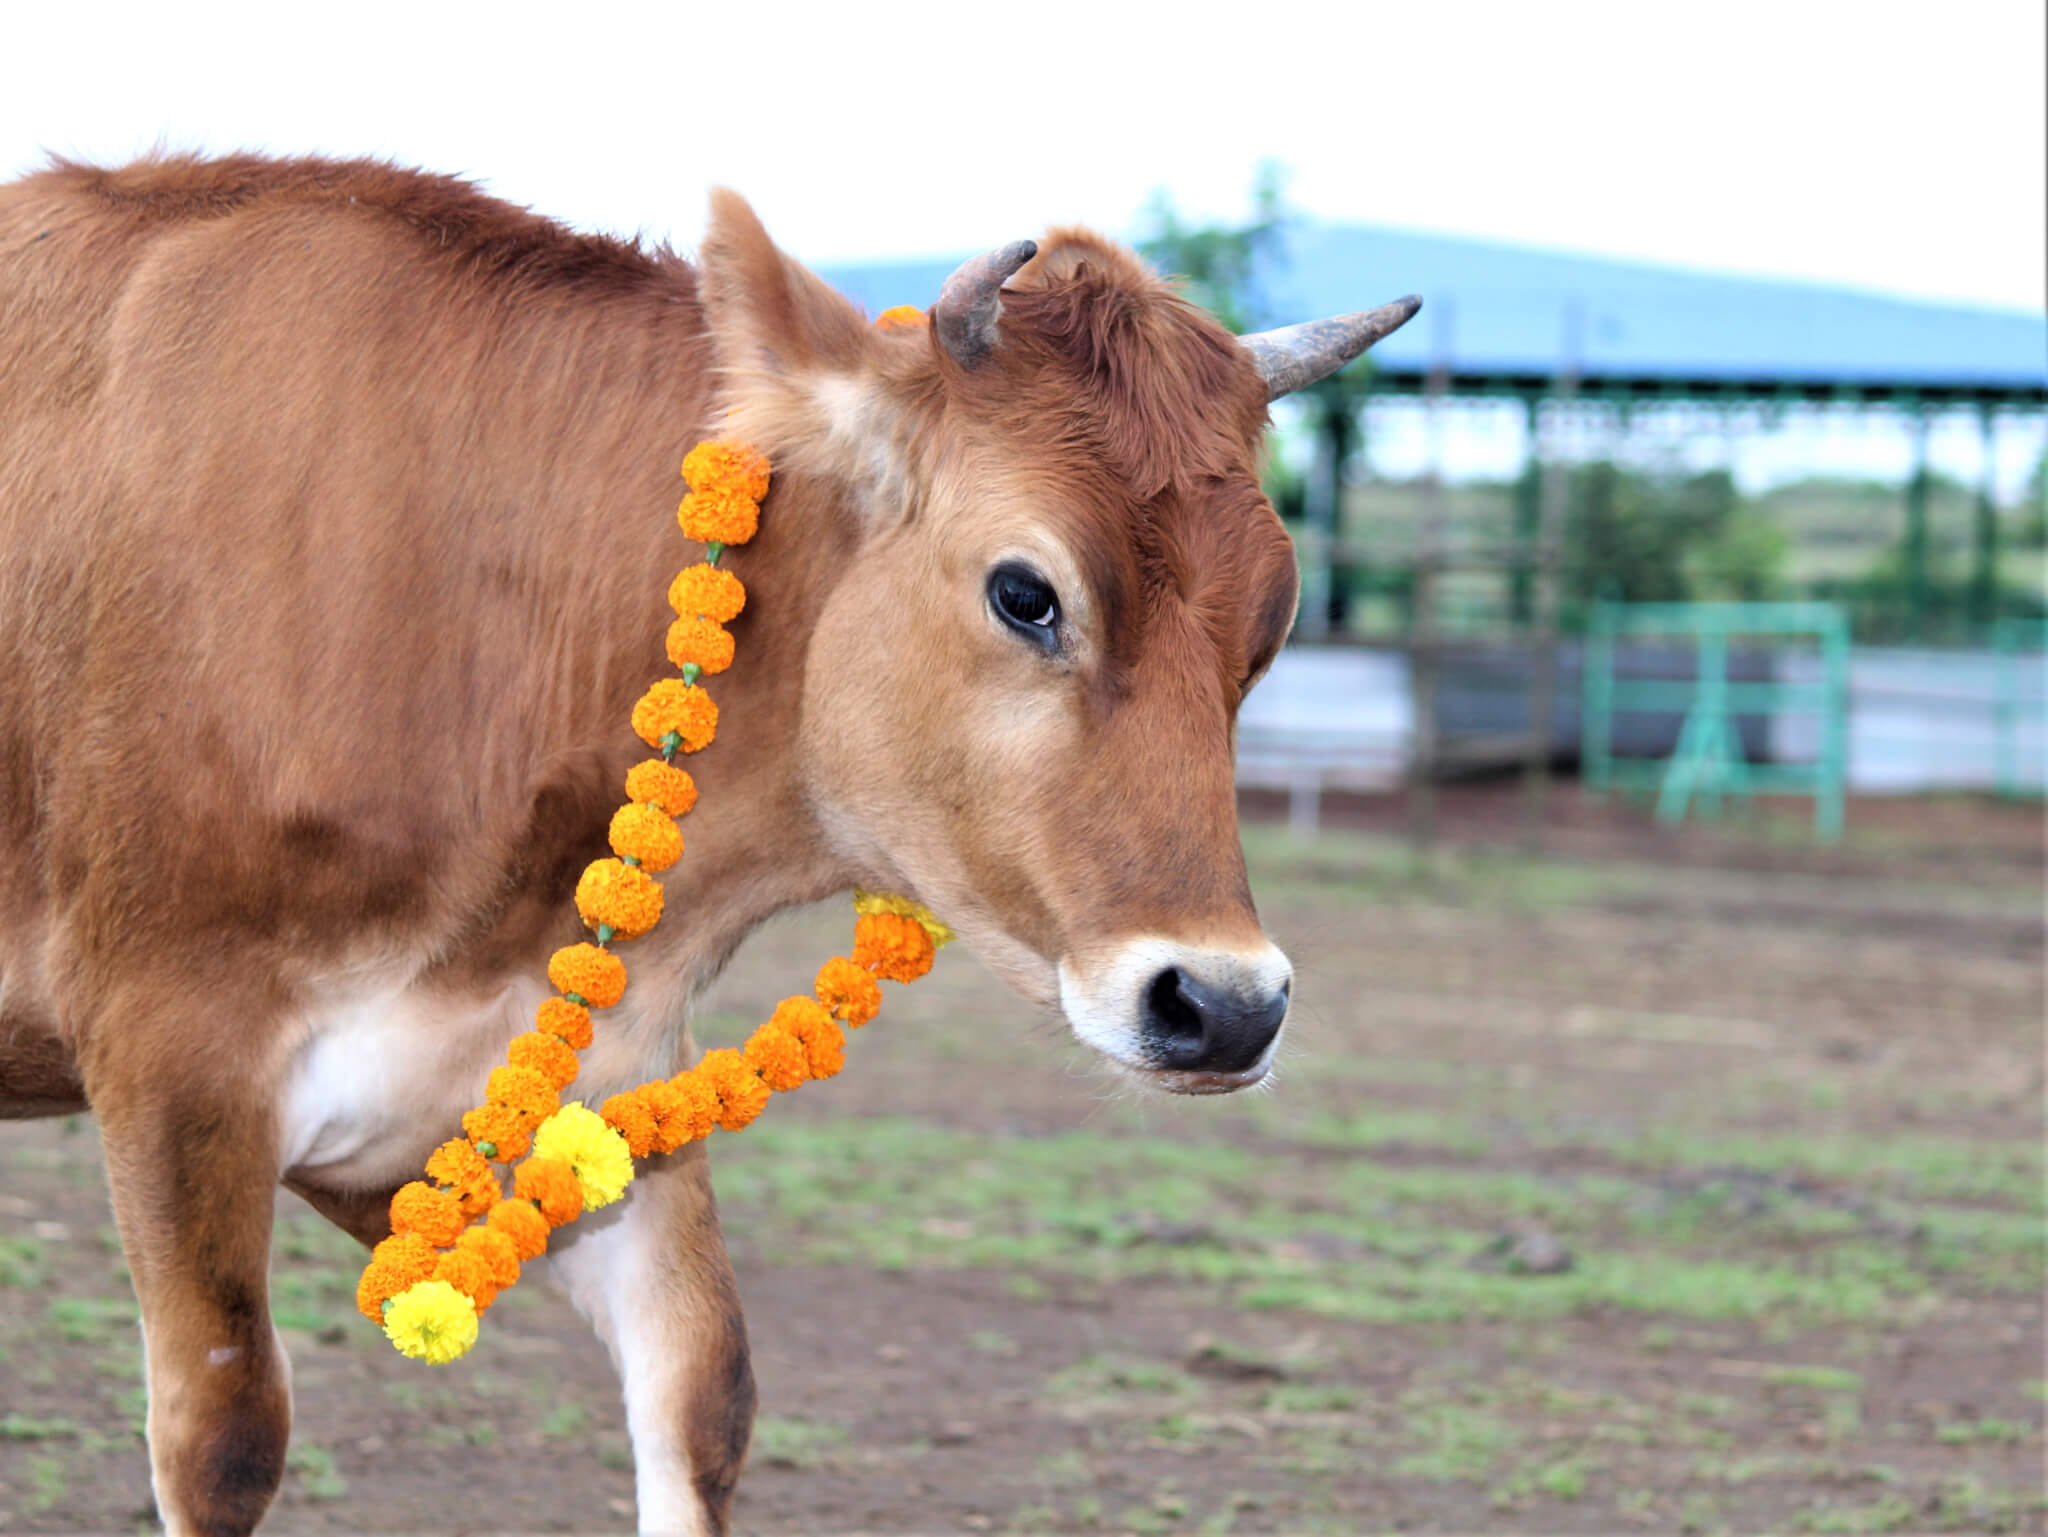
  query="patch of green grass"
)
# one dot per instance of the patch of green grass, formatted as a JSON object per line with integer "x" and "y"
{"x": 24, "y": 1427}
{"x": 21, "y": 1261}
{"x": 565, "y": 1420}
{"x": 1826, "y": 1379}
{"x": 1961, "y": 1432}
{"x": 47, "y": 1484}
{"x": 319, "y": 1479}
{"x": 1891, "y": 1513}
{"x": 1458, "y": 1443}
{"x": 1107, "y": 1376}
{"x": 1309, "y": 1398}
{"x": 795, "y": 1443}
{"x": 90, "y": 1319}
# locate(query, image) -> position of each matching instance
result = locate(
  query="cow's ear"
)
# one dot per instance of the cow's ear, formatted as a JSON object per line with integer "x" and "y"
{"x": 772, "y": 321}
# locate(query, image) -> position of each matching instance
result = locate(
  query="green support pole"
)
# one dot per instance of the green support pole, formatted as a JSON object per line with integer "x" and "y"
{"x": 1916, "y": 530}
{"x": 1984, "y": 578}
{"x": 1597, "y": 711}
{"x": 1528, "y": 514}
{"x": 1833, "y": 767}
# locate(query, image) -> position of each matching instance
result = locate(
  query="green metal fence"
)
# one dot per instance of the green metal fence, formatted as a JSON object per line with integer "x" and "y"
{"x": 1709, "y": 762}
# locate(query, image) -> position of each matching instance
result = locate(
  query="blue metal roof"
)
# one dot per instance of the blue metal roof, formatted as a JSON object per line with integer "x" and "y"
{"x": 1499, "y": 310}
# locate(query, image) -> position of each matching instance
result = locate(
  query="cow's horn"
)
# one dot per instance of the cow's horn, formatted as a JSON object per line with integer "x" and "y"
{"x": 972, "y": 299}
{"x": 1294, "y": 357}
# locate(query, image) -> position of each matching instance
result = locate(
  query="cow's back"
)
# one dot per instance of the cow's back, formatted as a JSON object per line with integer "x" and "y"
{"x": 304, "y": 482}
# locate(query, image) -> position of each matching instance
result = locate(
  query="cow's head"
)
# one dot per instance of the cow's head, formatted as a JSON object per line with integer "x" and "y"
{"x": 1059, "y": 580}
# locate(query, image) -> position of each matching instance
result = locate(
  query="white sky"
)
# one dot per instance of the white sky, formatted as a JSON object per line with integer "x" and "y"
{"x": 1888, "y": 145}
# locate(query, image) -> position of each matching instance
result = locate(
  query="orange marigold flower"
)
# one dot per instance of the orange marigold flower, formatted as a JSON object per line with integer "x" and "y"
{"x": 823, "y": 1041}
{"x": 720, "y": 516}
{"x": 434, "y": 1215}
{"x": 705, "y": 591}
{"x": 655, "y": 783}
{"x": 628, "y": 1115}
{"x": 892, "y": 946}
{"x": 522, "y": 1089}
{"x": 705, "y": 642}
{"x": 777, "y": 1056}
{"x": 496, "y": 1248}
{"x": 722, "y": 464}
{"x": 568, "y": 1021}
{"x": 551, "y": 1185}
{"x": 648, "y": 834}
{"x": 848, "y": 989}
{"x": 596, "y": 976}
{"x": 614, "y": 894}
{"x": 455, "y": 1162}
{"x": 469, "y": 1273}
{"x": 675, "y": 706}
{"x": 458, "y": 1164}
{"x": 685, "y": 1109}
{"x": 398, "y": 1262}
{"x": 546, "y": 1054}
{"x": 525, "y": 1227}
{"x": 508, "y": 1132}
{"x": 899, "y": 317}
{"x": 741, "y": 1093}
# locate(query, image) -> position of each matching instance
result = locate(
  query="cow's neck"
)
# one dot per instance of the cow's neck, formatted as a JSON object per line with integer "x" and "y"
{"x": 752, "y": 844}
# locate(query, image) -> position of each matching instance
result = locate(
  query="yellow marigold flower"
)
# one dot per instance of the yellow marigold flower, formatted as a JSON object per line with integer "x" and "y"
{"x": 899, "y": 317}
{"x": 598, "y": 1155}
{"x": 506, "y": 1131}
{"x": 704, "y": 642}
{"x": 865, "y": 901}
{"x": 525, "y": 1227}
{"x": 661, "y": 785}
{"x": 434, "y": 1215}
{"x": 460, "y": 1166}
{"x": 469, "y": 1274}
{"x": 496, "y": 1248}
{"x": 741, "y": 1093}
{"x": 648, "y": 834}
{"x": 551, "y": 1186}
{"x": 613, "y": 893}
{"x": 568, "y": 1022}
{"x": 398, "y": 1262}
{"x": 521, "y": 1089}
{"x": 596, "y": 976}
{"x": 675, "y": 706}
{"x": 548, "y": 1055}
{"x": 705, "y": 591}
{"x": 892, "y": 946}
{"x": 848, "y": 989}
{"x": 629, "y": 1116}
{"x": 721, "y": 516}
{"x": 725, "y": 465}
{"x": 777, "y": 1056}
{"x": 823, "y": 1041}
{"x": 432, "y": 1322}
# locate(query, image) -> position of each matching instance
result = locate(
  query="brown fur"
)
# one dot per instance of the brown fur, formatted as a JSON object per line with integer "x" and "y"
{"x": 334, "y": 531}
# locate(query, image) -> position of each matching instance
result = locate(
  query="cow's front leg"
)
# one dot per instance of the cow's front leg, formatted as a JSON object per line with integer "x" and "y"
{"x": 652, "y": 1275}
{"x": 192, "y": 1169}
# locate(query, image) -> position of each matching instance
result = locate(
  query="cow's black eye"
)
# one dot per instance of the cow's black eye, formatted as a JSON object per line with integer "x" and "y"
{"x": 1025, "y": 602}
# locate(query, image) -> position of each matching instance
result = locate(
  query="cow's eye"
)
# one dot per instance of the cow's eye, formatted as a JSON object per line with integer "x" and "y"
{"x": 1025, "y": 602}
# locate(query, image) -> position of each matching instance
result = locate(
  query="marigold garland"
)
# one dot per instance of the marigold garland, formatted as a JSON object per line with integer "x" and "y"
{"x": 457, "y": 1240}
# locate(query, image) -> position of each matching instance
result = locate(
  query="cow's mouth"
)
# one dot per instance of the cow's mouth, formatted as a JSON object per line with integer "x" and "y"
{"x": 1183, "y": 1081}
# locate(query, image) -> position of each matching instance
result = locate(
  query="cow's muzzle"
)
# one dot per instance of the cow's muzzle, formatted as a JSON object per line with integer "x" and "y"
{"x": 1190, "y": 1019}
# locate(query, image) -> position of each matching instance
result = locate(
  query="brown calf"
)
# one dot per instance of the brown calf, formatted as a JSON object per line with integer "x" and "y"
{"x": 335, "y": 503}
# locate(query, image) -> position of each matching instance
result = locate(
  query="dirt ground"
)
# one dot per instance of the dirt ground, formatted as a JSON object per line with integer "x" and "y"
{"x": 1658, "y": 1183}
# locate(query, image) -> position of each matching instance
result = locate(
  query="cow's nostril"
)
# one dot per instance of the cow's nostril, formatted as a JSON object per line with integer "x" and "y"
{"x": 1174, "y": 1025}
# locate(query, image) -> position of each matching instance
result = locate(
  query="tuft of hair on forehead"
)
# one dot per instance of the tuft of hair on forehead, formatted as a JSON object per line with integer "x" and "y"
{"x": 1134, "y": 375}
